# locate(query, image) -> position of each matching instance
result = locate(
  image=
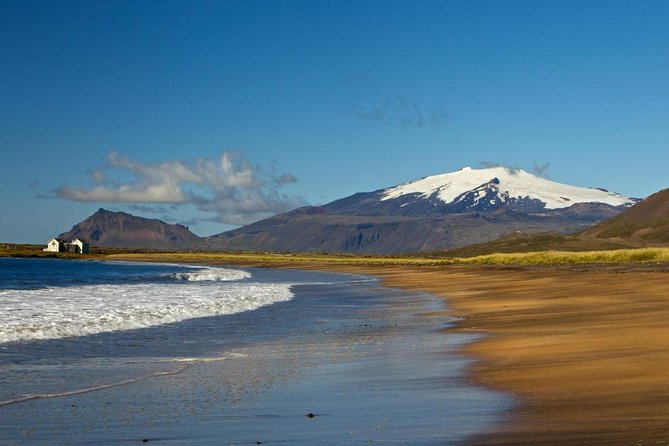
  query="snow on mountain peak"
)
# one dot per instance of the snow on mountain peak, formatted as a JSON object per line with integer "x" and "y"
{"x": 511, "y": 184}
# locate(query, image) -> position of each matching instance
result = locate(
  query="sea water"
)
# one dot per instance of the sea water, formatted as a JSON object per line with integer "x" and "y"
{"x": 72, "y": 326}
{"x": 54, "y": 299}
{"x": 114, "y": 353}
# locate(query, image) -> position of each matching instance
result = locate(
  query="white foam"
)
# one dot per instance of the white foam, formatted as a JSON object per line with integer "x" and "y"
{"x": 84, "y": 310}
{"x": 211, "y": 274}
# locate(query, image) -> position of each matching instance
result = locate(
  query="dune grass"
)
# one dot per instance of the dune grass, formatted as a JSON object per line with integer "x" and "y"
{"x": 620, "y": 256}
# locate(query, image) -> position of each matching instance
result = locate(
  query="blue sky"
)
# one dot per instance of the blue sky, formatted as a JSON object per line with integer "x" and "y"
{"x": 219, "y": 113}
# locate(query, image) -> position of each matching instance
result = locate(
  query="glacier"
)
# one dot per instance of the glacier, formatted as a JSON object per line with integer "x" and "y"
{"x": 511, "y": 184}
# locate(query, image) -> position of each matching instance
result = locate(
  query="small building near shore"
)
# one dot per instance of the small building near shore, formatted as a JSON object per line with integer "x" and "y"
{"x": 55, "y": 245}
{"x": 77, "y": 246}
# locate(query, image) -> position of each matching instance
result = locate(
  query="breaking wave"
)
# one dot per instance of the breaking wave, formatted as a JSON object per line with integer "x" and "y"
{"x": 59, "y": 312}
{"x": 210, "y": 274}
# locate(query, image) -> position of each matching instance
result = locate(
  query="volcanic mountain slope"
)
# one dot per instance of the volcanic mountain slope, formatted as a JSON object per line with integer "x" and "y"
{"x": 642, "y": 225}
{"x": 121, "y": 230}
{"x": 438, "y": 212}
{"x": 533, "y": 242}
{"x": 646, "y": 223}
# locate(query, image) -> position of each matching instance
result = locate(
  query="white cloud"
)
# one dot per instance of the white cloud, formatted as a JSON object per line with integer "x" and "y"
{"x": 230, "y": 186}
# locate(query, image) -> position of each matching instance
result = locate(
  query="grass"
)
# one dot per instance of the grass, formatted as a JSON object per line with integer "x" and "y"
{"x": 620, "y": 256}
{"x": 554, "y": 257}
{"x": 37, "y": 251}
{"x": 32, "y": 251}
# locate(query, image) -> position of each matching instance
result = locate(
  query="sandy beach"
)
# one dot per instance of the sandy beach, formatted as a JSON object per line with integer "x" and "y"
{"x": 585, "y": 352}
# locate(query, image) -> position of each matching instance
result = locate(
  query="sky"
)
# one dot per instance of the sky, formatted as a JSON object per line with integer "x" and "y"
{"x": 216, "y": 114}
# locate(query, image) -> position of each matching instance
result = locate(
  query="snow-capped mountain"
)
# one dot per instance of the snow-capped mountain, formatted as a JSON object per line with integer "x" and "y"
{"x": 477, "y": 190}
{"x": 436, "y": 212}
{"x": 496, "y": 186}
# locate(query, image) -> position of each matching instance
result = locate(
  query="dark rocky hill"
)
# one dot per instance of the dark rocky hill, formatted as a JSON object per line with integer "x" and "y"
{"x": 121, "y": 230}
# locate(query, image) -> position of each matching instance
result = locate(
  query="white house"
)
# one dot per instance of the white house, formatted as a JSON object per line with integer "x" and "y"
{"x": 55, "y": 245}
{"x": 79, "y": 246}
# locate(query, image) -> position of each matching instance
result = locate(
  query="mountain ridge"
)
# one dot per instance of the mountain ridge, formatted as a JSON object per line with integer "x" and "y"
{"x": 411, "y": 218}
{"x": 427, "y": 215}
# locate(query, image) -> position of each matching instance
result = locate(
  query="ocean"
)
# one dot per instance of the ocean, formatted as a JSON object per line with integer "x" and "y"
{"x": 98, "y": 352}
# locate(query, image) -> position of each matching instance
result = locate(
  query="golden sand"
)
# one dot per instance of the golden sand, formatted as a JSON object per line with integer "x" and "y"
{"x": 584, "y": 352}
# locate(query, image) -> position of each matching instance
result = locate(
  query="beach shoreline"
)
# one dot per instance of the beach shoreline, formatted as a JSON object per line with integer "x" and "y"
{"x": 583, "y": 349}
{"x": 371, "y": 363}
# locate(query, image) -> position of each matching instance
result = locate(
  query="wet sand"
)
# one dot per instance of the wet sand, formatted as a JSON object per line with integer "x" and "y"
{"x": 585, "y": 352}
{"x": 373, "y": 365}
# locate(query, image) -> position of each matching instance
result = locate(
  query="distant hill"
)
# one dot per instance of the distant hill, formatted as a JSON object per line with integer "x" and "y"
{"x": 646, "y": 223}
{"x": 433, "y": 213}
{"x": 642, "y": 225}
{"x": 532, "y": 242}
{"x": 121, "y": 230}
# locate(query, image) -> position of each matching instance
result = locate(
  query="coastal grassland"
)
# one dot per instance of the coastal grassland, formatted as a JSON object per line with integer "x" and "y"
{"x": 32, "y": 251}
{"x": 616, "y": 256}
{"x": 539, "y": 257}
{"x": 619, "y": 256}
{"x": 24, "y": 250}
